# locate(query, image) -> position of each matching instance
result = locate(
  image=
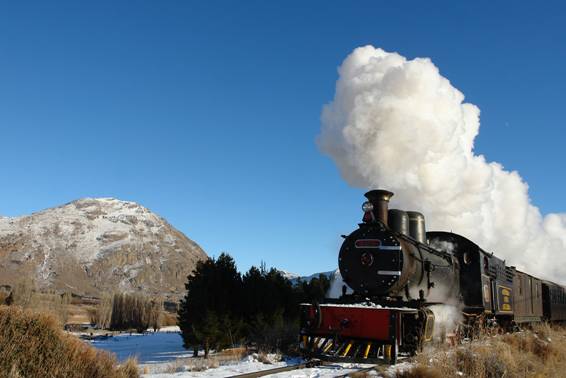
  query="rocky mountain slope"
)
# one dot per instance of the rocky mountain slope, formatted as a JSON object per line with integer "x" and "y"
{"x": 91, "y": 246}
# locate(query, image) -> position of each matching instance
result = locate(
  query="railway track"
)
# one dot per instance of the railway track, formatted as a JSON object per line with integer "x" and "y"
{"x": 263, "y": 373}
{"x": 359, "y": 371}
{"x": 309, "y": 364}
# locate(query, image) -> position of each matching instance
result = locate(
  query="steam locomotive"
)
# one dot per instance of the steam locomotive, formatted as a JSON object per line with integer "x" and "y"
{"x": 399, "y": 273}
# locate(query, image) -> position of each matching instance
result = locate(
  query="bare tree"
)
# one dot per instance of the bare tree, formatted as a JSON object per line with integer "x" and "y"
{"x": 103, "y": 312}
{"x": 135, "y": 311}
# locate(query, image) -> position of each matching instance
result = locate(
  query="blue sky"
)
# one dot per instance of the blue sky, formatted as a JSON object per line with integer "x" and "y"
{"x": 207, "y": 113}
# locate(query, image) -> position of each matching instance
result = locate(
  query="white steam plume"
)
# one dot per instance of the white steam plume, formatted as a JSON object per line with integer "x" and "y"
{"x": 398, "y": 124}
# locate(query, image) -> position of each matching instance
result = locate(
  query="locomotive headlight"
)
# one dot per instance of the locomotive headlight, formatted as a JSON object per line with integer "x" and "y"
{"x": 367, "y": 206}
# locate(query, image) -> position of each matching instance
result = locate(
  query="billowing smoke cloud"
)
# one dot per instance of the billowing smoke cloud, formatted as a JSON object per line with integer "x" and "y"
{"x": 398, "y": 124}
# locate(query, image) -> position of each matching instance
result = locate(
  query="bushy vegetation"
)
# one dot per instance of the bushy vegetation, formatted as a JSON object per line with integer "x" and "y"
{"x": 224, "y": 308}
{"x": 26, "y": 295}
{"x": 34, "y": 345}
{"x": 540, "y": 352}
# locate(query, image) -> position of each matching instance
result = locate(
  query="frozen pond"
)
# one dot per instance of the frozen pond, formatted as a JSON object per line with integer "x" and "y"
{"x": 147, "y": 348}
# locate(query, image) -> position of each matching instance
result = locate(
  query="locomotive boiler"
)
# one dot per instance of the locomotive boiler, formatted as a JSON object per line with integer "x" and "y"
{"x": 388, "y": 257}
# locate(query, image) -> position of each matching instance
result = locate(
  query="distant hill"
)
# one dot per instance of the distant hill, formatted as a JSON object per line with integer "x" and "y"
{"x": 97, "y": 245}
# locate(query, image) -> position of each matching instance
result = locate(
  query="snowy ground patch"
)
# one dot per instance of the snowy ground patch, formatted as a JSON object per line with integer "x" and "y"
{"x": 161, "y": 355}
{"x": 181, "y": 368}
{"x": 248, "y": 365}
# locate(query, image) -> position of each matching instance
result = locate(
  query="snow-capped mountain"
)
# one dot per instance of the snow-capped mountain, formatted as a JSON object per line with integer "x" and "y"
{"x": 96, "y": 245}
{"x": 295, "y": 278}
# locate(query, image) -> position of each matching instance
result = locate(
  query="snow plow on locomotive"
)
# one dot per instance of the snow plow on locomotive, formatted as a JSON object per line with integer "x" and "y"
{"x": 397, "y": 273}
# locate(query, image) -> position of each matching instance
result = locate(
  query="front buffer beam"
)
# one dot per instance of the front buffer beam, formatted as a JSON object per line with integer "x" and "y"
{"x": 363, "y": 333}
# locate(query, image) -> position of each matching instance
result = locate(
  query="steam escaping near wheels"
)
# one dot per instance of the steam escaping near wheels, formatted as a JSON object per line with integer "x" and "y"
{"x": 398, "y": 123}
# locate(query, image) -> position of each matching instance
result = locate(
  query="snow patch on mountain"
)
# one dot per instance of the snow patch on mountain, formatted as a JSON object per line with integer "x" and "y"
{"x": 113, "y": 244}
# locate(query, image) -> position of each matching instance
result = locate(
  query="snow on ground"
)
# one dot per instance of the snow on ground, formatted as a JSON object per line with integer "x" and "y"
{"x": 250, "y": 364}
{"x": 322, "y": 371}
{"x": 174, "y": 328}
{"x": 246, "y": 365}
{"x": 161, "y": 355}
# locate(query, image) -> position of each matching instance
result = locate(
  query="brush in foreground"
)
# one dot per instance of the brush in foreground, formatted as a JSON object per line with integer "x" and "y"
{"x": 540, "y": 352}
{"x": 33, "y": 345}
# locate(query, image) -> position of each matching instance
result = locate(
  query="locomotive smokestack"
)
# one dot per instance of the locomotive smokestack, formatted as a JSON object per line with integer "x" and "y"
{"x": 380, "y": 201}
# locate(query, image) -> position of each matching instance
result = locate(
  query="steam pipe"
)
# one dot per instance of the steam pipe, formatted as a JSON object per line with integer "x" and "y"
{"x": 380, "y": 200}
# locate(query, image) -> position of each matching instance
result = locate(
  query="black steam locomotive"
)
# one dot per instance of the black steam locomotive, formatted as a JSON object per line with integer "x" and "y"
{"x": 399, "y": 272}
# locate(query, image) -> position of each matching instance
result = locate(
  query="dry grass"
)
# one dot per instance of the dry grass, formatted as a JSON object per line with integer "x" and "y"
{"x": 224, "y": 357}
{"x": 168, "y": 319}
{"x": 231, "y": 354}
{"x": 80, "y": 313}
{"x": 34, "y": 345}
{"x": 192, "y": 364}
{"x": 540, "y": 352}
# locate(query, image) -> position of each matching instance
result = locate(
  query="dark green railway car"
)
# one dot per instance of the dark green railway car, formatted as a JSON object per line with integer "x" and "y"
{"x": 554, "y": 302}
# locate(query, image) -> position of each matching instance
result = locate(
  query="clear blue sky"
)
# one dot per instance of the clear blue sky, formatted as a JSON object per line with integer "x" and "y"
{"x": 207, "y": 112}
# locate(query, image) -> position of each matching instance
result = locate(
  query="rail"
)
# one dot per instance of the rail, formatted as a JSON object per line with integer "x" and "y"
{"x": 262, "y": 373}
{"x": 305, "y": 365}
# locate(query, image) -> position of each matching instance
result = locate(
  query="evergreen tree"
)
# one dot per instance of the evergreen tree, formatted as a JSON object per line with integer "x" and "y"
{"x": 315, "y": 290}
{"x": 271, "y": 308}
{"x": 222, "y": 308}
{"x": 210, "y": 314}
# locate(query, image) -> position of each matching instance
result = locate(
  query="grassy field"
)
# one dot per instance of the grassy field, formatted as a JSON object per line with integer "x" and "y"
{"x": 539, "y": 352}
{"x": 34, "y": 345}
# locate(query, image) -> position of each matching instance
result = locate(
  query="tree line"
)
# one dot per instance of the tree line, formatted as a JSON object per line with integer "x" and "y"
{"x": 120, "y": 311}
{"x": 127, "y": 311}
{"x": 225, "y": 308}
